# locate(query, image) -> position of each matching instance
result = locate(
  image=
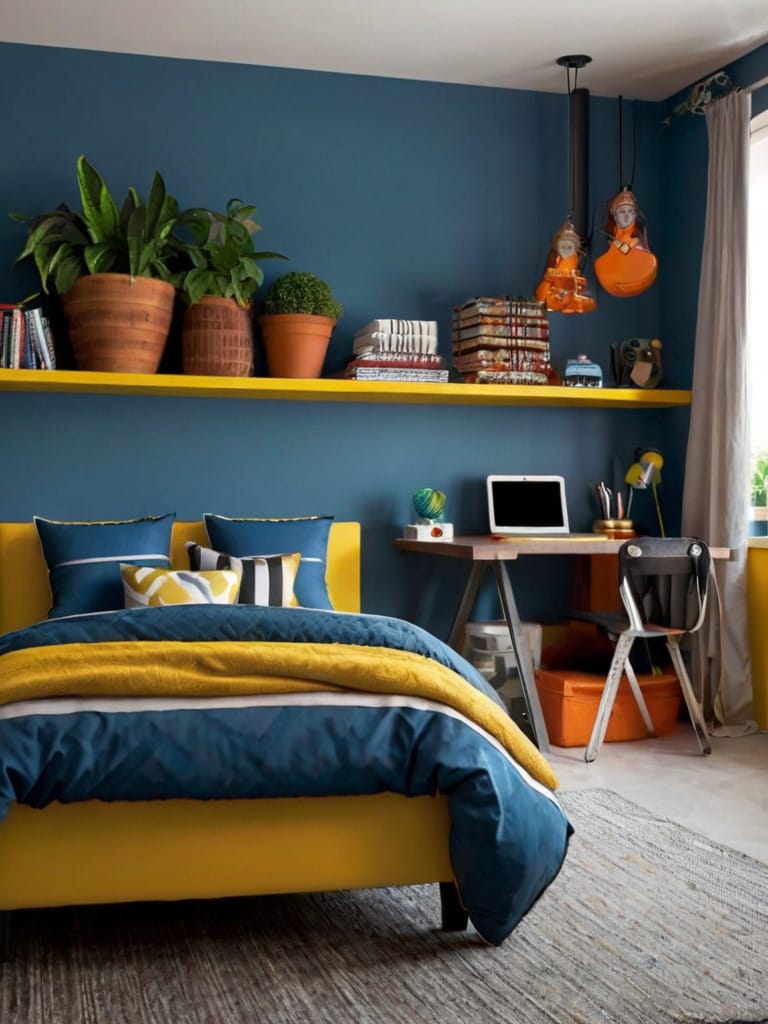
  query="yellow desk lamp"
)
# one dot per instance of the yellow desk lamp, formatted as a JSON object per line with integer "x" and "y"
{"x": 645, "y": 473}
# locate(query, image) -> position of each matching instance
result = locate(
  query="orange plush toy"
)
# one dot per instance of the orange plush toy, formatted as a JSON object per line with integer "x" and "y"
{"x": 563, "y": 288}
{"x": 628, "y": 267}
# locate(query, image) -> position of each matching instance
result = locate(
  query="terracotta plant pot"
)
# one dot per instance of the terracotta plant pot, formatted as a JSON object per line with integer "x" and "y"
{"x": 118, "y": 325}
{"x": 217, "y": 339}
{"x": 295, "y": 343}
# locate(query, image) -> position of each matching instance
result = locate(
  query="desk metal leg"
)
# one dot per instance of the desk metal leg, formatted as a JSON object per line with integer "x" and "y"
{"x": 455, "y": 637}
{"x": 519, "y": 644}
{"x": 523, "y": 654}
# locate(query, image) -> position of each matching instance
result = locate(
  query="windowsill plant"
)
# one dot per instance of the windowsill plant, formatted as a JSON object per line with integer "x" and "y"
{"x": 758, "y": 501}
{"x": 759, "y": 481}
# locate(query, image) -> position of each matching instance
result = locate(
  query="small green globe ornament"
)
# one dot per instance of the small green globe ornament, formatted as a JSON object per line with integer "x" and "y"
{"x": 429, "y": 504}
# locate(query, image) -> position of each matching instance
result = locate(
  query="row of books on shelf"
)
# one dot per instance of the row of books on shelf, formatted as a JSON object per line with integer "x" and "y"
{"x": 494, "y": 341}
{"x": 26, "y": 342}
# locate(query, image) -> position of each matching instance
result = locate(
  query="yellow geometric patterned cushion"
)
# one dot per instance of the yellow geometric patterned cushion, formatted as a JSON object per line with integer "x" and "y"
{"x": 144, "y": 586}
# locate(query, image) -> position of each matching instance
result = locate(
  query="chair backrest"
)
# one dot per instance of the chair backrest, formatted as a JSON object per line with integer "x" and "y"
{"x": 664, "y": 581}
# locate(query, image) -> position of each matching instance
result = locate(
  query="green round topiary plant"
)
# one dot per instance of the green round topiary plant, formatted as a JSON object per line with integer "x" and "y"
{"x": 299, "y": 292}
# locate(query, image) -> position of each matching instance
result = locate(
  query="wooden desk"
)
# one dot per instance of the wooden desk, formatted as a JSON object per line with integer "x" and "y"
{"x": 485, "y": 553}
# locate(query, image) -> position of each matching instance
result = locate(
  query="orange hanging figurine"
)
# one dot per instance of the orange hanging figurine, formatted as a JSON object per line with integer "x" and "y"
{"x": 563, "y": 288}
{"x": 628, "y": 267}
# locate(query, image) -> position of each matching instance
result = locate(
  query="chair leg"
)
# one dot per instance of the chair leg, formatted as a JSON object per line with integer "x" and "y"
{"x": 638, "y": 694}
{"x": 694, "y": 708}
{"x": 610, "y": 689}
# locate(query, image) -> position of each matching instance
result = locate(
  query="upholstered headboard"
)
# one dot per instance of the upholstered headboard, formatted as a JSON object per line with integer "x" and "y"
{"x": 25, "y": 596}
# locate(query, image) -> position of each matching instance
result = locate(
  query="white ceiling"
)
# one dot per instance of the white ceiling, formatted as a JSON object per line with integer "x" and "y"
{"x": 645, "y": 50}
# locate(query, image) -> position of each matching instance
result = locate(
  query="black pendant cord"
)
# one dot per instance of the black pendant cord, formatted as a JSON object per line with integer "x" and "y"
{"x": 622, "y": 182}
{"x": 634, "y": 146}
{"x": 621, "y": 144}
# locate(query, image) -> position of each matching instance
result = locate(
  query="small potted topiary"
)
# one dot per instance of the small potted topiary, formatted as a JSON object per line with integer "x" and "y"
{"x": 299, "y": 318}
{"x": 218, "y": 277}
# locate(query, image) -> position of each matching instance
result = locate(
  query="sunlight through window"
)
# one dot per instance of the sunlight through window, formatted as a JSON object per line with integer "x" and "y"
{"x": 758, "y": 318}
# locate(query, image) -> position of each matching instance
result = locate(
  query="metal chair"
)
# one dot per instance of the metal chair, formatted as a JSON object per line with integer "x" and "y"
{"x": 663, "y": 583}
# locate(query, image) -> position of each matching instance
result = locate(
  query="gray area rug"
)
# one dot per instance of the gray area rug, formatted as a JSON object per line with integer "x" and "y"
{"x": 647, "y": 924}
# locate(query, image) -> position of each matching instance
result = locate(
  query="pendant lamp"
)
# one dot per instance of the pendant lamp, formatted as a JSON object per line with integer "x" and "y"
{"x": 627, "y": 267}
{"x": 563, "y": 288}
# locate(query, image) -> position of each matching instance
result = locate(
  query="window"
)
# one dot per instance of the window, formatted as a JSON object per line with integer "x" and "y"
{"x": 757, "y": 323}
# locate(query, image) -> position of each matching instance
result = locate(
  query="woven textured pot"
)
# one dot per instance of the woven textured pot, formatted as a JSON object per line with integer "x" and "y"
{"x": 116, "y": 324}
{"x": 295, "y": 343}
{"x": 217, "y": 339}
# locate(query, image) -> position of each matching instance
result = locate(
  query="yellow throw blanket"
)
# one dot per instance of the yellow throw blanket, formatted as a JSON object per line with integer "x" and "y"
{"x": 223, "y": 668}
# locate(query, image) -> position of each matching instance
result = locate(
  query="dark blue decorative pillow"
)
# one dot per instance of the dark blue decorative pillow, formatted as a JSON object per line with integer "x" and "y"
{"x": 249, "y": 538}
{"x": 84, "y": 559}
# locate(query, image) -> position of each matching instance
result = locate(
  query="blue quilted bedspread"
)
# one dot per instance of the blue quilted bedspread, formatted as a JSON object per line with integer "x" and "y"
{"x": 212, "y": 702}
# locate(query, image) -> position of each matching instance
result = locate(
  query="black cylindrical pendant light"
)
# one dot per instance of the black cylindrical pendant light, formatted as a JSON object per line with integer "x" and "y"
{"x": 563, "y": 286}
{"x": 578, "y": 172}
{"x": 580, "y": 160}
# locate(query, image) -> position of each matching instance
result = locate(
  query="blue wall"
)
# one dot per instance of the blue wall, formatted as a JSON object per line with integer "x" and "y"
{"x": 408, "y": 197}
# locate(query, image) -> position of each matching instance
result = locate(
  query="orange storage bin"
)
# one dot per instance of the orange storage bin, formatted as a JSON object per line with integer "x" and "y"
{"x": 569, "y": 701}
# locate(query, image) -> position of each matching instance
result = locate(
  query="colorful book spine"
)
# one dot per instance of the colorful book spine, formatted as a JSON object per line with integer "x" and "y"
{"x": 36, "y": 329}
{"x": 5, "y": 333}
{"x": 18, "y": 356}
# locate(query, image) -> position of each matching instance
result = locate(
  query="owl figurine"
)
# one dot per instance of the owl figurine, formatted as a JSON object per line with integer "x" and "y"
{"x": 429, "y": 505}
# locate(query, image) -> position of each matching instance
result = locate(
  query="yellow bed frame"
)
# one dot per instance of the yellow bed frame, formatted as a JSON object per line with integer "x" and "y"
{"x": 98, "y": 852}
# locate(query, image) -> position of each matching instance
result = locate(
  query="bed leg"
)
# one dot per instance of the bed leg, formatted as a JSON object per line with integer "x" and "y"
{"x": 5, "y": 935}
{"x": 454, "y": 916}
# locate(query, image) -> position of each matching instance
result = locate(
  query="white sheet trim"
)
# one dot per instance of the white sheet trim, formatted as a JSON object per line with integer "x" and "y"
{"x": 125, "y": 705}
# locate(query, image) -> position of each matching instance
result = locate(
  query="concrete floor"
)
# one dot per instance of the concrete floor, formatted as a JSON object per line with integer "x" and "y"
{"x": 723, "y": 796}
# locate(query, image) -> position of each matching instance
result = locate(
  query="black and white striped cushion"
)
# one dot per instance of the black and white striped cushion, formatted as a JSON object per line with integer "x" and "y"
{"x": 266, "y": 580}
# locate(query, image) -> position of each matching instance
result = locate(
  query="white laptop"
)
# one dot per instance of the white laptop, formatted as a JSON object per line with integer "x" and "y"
{"x": 527, "y": 505}
{"x": 530, "y": 506}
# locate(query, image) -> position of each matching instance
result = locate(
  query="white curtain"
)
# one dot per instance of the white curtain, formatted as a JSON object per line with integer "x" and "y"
{"x": 716, "y": 471}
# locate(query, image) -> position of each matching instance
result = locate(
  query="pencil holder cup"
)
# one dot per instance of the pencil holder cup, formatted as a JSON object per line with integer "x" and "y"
{"x": 616, "y": 529}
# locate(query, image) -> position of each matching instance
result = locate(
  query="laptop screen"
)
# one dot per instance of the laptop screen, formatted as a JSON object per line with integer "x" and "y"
{"x": 527, "y": 504}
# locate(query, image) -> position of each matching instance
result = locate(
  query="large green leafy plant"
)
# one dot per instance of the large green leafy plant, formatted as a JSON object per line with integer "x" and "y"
{"x": 298, "y": 292}
{"x": 219, "y": 254}
{"x": 137, "y": 239}
{"x": 759, "y": 481}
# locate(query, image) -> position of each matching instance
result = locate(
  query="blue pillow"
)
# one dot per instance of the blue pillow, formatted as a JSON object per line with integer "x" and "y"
{"x": 249, "y": 538}
{"x": 84, "y": 559}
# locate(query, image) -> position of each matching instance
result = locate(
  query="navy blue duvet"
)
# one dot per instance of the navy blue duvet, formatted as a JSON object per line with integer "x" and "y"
{"x": 229, "y": 724}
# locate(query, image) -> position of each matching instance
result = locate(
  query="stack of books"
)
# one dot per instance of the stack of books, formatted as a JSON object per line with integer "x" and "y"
{"x": 25, "y": 339}
{"x": 394, "y": 349}
{"x": 501, "y": 341}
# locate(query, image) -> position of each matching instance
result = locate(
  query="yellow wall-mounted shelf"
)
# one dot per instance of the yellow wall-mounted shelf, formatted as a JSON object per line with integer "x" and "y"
{"x": 335, "y": 390}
